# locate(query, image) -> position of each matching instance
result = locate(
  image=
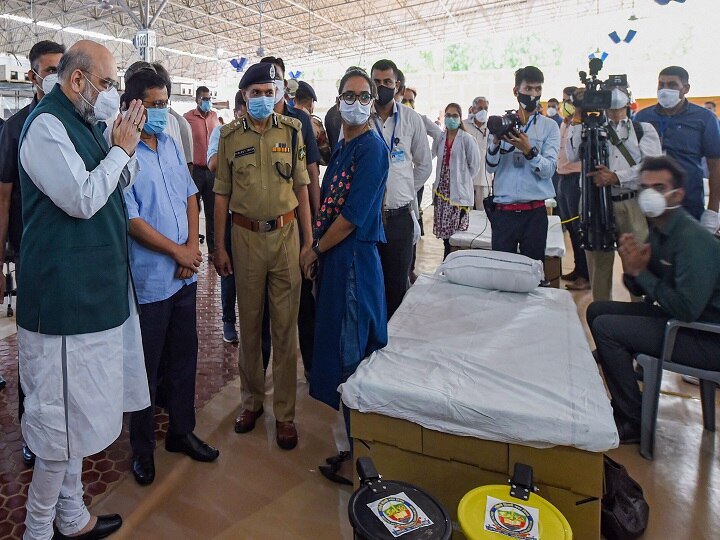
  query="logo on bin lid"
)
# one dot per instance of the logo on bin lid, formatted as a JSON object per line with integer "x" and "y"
{"x": 511, "y": 520}
{"x": 399, "y": 514}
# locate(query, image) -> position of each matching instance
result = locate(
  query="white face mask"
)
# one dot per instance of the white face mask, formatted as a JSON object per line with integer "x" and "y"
{"x": 48, "y": 82}
{"x": 653, "y": 204}
{"x": 668, "y": 98}
{"x": 552, "y": 111}
{"x": 107, "y": 103}
{"x": 279, "y": 91}
{"x": 619, "y": 99}
{"x": 481, "y": 116}
{"x": 356, "y": 114}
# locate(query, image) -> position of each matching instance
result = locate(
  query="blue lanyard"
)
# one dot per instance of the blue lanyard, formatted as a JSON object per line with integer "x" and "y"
{"x": 664, "y": 124}
{"x": 396, "y": 117}
{"x": 531, "y": 122}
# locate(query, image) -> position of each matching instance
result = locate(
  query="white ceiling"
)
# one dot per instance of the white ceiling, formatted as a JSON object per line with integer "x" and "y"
{"x": 193, "y": 34}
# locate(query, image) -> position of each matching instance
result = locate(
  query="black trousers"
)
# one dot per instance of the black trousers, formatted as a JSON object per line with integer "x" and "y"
{"x": 395, "y": 257}
{"x": 526, "y": 230}
{"x": 169, "y": 335}
{"x": 306, "y": 323}
{"x": 569, "y": 207}
{"x": 205, "y": 181}
{"x": 622, "y": 330}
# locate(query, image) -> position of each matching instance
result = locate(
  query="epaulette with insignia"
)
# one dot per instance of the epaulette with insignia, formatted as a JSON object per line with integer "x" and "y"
{"x": 227, "y": 129}
{"x": 289, "y": 121}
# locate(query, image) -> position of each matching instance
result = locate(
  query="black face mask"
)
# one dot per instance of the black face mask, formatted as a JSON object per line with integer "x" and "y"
{"x": 527, "y": 102}
{"x": 385, "y": 95}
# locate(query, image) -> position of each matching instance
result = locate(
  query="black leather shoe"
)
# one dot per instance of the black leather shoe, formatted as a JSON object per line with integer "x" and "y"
{"x": 27, "y": 455}
{"x": 143, "y": 468}
{"x": 105, "y": 526}
{"x": 191, "y": 446}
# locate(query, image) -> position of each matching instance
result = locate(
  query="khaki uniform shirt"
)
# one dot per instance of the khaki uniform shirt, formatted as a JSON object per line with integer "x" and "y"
{"x": 256, "y": 170}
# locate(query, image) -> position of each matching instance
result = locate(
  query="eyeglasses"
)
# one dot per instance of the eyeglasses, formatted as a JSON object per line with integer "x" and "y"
{"x": 406, "y": 101}
{"x": 350, "y": 97}
{"x": 205, "y": 99}
{"x": 452, "y": 115}
{"x": 107, "y": 84}
{"x": 159, "y": 104}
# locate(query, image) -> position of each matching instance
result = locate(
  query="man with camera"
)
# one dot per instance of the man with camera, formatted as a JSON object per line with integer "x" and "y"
{"x": 523, "y": 155}
{"x": 628, "y": 144}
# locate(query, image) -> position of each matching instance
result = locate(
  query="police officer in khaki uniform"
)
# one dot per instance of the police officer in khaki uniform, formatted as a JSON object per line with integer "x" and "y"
{"x": 262, "y": 178}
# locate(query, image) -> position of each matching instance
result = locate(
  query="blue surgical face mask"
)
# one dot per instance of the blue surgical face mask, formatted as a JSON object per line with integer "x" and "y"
{"x": 261, "y": 107}
{"x": 156, "y": 122}
{"x": 205, "y": 105}
{"x": 452, "y": 123}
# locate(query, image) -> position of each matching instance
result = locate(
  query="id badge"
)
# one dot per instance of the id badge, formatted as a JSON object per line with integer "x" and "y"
{"x": 518, "y": 160}
{"x": 397, "y": 156}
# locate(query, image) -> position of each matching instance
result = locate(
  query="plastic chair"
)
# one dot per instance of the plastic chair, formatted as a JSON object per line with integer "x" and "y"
{"x": 652, "y": 378}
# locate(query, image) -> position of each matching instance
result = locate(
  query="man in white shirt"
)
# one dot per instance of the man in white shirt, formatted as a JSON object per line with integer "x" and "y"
{"x": 475, "y": 125}
{"x": 79, "y": 341}
{"x": 629, "y": 143}
{"x": 404, "y": 133}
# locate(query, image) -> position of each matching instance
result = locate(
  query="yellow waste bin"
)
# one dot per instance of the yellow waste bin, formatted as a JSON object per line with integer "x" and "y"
{"x": 496, "y": 512}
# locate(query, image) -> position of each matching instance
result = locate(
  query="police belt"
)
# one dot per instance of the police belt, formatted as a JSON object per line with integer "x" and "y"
{"x": 263, "y": 226}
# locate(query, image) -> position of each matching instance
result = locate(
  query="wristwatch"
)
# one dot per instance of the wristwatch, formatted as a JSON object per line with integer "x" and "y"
{"x": 316, "y": 248}
{"x": 532, "y": 153}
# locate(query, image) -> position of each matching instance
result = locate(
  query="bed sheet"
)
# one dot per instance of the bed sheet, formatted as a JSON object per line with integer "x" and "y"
{"x": 508, "y": 367}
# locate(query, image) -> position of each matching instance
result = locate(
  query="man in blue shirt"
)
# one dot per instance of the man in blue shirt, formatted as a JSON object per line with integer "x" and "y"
{"x": 164, "y": 259}
{"x": 688, "y": 133}
{"x": 524, "y": 162}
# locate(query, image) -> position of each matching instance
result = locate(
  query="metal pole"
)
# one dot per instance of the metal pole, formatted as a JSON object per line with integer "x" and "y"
{"x": 122, "y": 5}
{"x": 158, "y": 11}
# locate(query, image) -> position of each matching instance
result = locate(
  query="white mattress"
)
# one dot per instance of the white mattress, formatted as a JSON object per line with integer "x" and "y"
{"x": 501, "y": 366}
{"x": 479, "y": 234}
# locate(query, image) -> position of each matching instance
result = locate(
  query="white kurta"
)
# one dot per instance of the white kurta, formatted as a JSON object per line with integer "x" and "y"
{"x": 77, "y": 387}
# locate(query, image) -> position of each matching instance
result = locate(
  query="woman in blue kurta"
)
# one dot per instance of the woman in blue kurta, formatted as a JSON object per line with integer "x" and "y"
{"x": 351, "y": 320}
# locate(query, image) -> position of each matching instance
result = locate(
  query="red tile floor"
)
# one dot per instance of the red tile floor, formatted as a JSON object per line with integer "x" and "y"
{"x": 217, "y": 366}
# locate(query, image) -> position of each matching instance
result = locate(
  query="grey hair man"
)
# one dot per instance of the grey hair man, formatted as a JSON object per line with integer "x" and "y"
{"x": 79, "y": 343}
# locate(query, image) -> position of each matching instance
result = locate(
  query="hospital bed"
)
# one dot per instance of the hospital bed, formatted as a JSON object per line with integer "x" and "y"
{"x": 479, "y": 235}
{"x": 473, "y": 381}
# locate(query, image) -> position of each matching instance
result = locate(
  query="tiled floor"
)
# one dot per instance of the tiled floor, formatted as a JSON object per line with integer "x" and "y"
{"x": 256, "y": 491}
{"x": 217, "y": 366}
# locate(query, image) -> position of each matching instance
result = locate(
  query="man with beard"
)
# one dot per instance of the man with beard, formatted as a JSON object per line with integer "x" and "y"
{"x": 79, "y": 343}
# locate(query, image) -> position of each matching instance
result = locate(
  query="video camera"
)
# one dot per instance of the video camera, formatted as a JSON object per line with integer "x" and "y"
{"x": 508, "y": 123}
{"x": 597, "y": 220}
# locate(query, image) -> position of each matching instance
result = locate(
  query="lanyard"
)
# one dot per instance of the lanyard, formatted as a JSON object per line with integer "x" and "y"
{"x": 531, "y": 122}
{"x": 394, "y": 142}
{"x": 664, "y": 124}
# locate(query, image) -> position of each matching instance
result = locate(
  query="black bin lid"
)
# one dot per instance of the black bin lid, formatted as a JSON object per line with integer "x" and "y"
{"x": 368, "y": 525}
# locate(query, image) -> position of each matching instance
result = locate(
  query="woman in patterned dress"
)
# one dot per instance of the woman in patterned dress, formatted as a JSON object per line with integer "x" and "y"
{"x": 458, "y": 162}
{"x": 351, "y": 320}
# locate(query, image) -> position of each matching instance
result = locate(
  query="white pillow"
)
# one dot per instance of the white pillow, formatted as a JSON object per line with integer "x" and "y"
{"x": 495, "y": 270}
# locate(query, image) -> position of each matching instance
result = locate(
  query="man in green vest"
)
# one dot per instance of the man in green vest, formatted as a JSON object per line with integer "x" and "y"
{"x": 79, "y": 342}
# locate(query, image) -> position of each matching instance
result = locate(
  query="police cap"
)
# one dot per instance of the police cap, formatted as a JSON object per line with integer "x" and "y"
{"x": 260, "y": 73}
{"x": 304, "y": 89}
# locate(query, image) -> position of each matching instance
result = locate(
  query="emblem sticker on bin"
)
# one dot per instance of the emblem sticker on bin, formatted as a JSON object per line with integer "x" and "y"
{"x": 511, "y": 519}
{"x": 399, "y": 514}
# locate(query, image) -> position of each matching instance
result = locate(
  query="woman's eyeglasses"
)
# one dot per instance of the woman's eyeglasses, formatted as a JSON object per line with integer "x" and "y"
{"x": 350, "y": 97}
